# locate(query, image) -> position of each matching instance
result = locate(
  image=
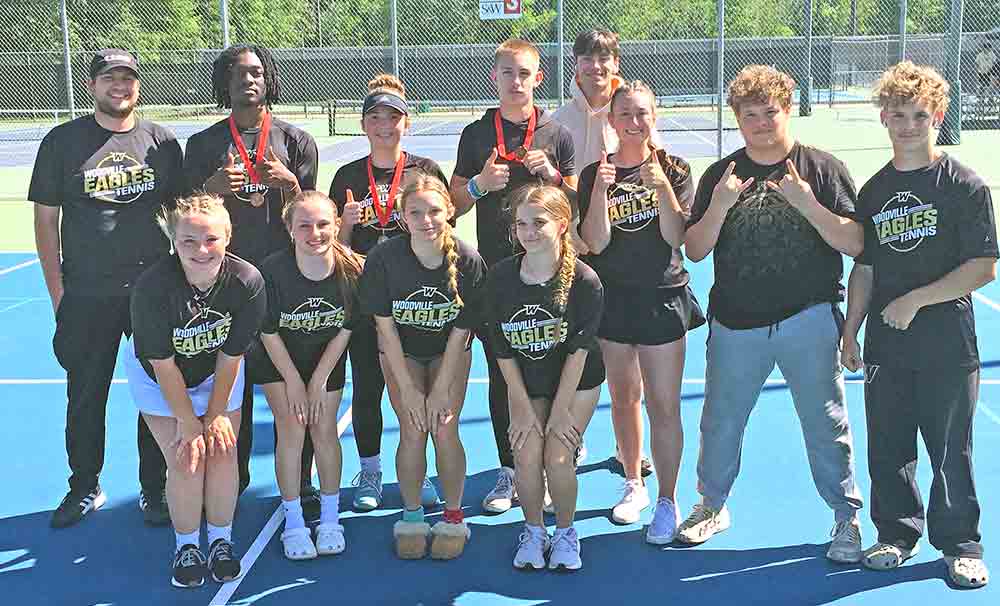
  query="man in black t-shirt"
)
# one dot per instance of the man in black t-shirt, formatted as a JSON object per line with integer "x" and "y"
{"x": 510, "y": 146}
{"x": 256, "y": 162}
{"x": 930, "y": 240}
{"x": 776, "y": 213}
{"x": 105, "y": 175}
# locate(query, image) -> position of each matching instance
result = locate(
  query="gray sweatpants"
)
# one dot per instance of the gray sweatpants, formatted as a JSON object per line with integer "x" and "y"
{"x": 805, "y": 348}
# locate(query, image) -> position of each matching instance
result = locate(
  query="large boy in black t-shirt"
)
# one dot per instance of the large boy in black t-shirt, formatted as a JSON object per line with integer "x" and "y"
{"x": 256, "y": 162}
{"x": 776, "y": 215}
{"x": 107, "y": 174}
{"x": 510, "y": 146}
{"x": 930, "y": 240}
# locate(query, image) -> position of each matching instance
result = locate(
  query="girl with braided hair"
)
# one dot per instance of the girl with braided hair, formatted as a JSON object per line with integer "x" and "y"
{"x": 301, "y": 359}
{"x": 544, "y": 307}
{"x": 421, "y": 289}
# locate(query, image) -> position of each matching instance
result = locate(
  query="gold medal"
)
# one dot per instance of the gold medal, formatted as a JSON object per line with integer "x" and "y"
{"x": 257, "y": 199}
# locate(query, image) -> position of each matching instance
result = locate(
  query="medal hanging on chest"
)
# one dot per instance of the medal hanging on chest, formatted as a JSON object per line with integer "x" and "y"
{"x": 256, "y": 196}
{"x": 529, "y": 135}
{"x": 384, "y": 212}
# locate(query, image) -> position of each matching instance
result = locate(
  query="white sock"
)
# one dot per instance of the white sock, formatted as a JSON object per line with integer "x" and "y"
{"x": 192, "y": 538}
{"x": 371, "y": 463}
{"x": 293, "y": 514}
{"x": 329, "y": 508}
{"x": 219, "y": 532}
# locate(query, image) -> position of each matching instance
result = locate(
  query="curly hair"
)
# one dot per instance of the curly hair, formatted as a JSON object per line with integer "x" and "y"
{"x": 222, "y": 71}
{"x": 906, "y": 82}
{"x": 760, "y": 84}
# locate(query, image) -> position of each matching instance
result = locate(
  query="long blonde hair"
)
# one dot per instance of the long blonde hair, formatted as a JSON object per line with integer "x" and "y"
{"x": 347, "y": 265}
{"x": 554, "y": 202}
{"x": 422, "y": 182}
{"x": 196, "y": 204}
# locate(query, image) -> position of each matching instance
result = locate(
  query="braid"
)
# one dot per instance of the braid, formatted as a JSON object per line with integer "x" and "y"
{"x": 451, "y": 258}
{"x": 222, "y": 73}
{"x": 567, "y": 271}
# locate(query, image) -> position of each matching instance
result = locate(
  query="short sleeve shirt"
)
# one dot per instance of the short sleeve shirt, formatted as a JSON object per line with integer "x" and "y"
{"x": 770, "y": 262}
{"x": 637, "y": 256}
{"x": 257, "y": 231}
{"x": 477, "y": 142}
{"x": 354, "y": 176}
{"x": 919, "y": 226}
{"x": 395, "y": 284}
{"x": 110, "y": 187}
{"x": 170, "y": 319}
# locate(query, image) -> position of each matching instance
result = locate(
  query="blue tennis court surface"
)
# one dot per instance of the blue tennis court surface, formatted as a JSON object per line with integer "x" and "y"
{"x": 773, "y": 554}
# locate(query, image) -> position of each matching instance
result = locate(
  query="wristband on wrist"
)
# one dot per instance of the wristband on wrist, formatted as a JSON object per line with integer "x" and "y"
{"x": 473, "y": 188}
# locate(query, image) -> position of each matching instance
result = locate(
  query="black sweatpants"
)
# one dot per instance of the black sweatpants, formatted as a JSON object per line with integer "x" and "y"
{"x": 367, "y": 385}
{"x": 499, "y": 405}
{"x": 941, "y": 406}
{"x": 88, "y": 332}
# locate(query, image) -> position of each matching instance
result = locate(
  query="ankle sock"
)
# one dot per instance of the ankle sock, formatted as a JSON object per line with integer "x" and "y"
{"x": 329, "y": 508}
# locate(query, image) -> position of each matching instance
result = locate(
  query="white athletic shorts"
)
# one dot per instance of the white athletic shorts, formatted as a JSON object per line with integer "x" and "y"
{"x": 148, "y": 397}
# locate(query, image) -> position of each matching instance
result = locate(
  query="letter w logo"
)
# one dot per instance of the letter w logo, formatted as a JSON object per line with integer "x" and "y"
{"x": 118, "y": 156}
{"x": 903, "y": 196}
{"x": 428, "y": 291}
{"x": 314, "y": 301}
{"x": 531, "y": 310}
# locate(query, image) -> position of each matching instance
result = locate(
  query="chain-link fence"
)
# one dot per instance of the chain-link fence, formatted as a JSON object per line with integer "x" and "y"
{"x": 687, "y": 50}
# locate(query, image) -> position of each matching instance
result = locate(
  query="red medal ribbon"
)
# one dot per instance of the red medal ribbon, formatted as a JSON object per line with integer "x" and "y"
{"x": 518, "y": 154}
{"x": 265, "y": 128}
{"x": 385, "y": 212}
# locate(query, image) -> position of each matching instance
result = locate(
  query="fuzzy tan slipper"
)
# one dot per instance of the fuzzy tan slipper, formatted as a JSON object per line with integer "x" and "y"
{"x": 449, "y": 540}
{"x": 411, "y": 539}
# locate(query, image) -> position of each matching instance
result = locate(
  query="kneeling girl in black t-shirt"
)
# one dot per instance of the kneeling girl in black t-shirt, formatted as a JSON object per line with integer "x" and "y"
{"x": 420, "y": 287}
{"x": 312, "y": 309}
{"x": 544, "y": 308}
{"x": 194, "y": 315}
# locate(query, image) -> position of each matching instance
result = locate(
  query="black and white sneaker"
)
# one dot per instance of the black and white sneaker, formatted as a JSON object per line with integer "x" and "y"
{"x": 75, "y": 505}
{"x": 222, "y": 563}
{"x": 189, "y": 567}
{"x": 155, "y": 510}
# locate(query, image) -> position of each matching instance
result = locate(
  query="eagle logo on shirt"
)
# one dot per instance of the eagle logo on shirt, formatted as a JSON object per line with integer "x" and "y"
{"x": 533, "y": 331}
{"x": 426, "y": 308}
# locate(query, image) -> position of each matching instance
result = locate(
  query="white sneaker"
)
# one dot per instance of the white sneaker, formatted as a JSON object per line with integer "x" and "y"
{"x": 428, "y": 494}
{"x": 330, "y": 539}
{"x": 503, "y": 495}
{"x": 531, "y": 547}
{"x": 663, "y": 528}
{"x": 565, "y": 550}
{"x": 634, "y": 499}
{"x": 703, "y": 523}
{"x": 846, "y": 544}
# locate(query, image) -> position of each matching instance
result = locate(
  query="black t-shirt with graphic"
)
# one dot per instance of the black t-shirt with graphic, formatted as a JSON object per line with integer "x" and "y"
{"x": 396, "y": 284}
{"x": 919, "y": 226}
{"x": 110, "y": 186}
{"x": 637, "y": 256}
{"x": 478, "y": 139}
{"x": 526, "y": 324}
{"x": 257, "y": 231}
{"x": 354, "y": 177}
{"x": 171, "y": 319}
{"x": 770, "y": 262}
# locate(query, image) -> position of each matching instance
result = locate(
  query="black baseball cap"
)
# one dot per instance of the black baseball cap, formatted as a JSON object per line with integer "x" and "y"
{"x": 109, "y": 58}
{"x": 387, "y": 99}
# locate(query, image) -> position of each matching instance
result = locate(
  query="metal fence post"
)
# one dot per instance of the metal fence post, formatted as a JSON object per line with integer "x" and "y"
{"x": 560, "y": 40}
{"x": 720, "y": 76}
{"x": 394, "y": 36}
{"x": 902, "y": 30}
{"x": 951, "y": 129}
{"x": 224, "y": 21}
{"x": 67, "y": 60}
{"x": 805, "y": 92}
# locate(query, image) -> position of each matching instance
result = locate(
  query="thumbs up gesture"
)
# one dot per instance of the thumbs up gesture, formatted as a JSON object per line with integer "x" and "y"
{"x": 273, "y": 173}
{"x": 352, "y": 211}
{"x": 494, "y": 176}
{"x": 227, "y": 180}
{"x": 651, "y": 173}
{"x": 606, "y": 174}
{"x": 793, "y": 187}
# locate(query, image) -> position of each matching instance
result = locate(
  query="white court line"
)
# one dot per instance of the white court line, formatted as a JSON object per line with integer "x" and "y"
{"x": 986, "y": 410}
{"x": 22, "y": 302}
{"x": 7, "y": 270}
{"x": 264, "y": 537}
{"x": 986, "y": 300}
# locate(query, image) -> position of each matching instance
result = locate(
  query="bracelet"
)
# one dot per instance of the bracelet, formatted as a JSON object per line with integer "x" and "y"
{"x": 559, "y": 179}
{"x": 473, "y": 188}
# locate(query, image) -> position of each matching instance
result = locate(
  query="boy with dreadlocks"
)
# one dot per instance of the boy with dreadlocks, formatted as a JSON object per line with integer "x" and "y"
{"x": 256, "y": 162}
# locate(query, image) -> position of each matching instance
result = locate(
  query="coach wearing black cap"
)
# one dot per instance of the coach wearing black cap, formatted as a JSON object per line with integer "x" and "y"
{"x": 105, "y": 175}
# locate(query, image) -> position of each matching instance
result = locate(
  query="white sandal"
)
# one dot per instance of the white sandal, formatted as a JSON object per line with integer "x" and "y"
{"x": 330, "y": 539}
{"x": 967, "y": 572}
{"x": 298, "y": 544}
{"x": 886, "y": 556}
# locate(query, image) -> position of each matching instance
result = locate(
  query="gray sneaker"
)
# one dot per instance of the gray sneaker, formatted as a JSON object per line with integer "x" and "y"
{"x": 503, "y": 495}
{"x": 368, "y": 496}
{"x": 428, "y": 494}
{"x": 846, "y": 545}
{"x": 703, "y": 523}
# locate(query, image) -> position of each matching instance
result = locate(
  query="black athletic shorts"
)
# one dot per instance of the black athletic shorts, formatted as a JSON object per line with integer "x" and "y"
{"x": 261, "y": 370}
{"x": 648, "y": 316}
